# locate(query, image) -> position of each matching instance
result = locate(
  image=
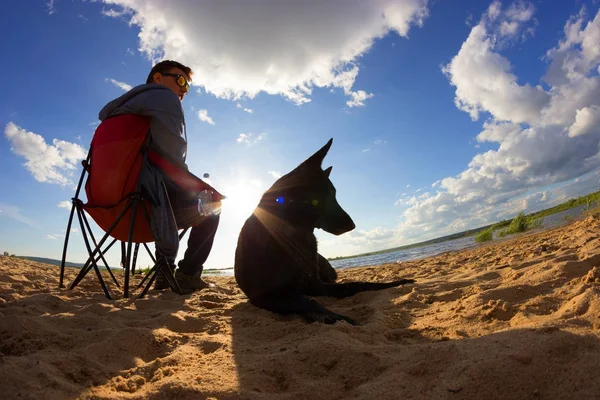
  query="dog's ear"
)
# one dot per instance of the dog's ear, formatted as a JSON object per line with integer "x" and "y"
{"x": 317, "y": 158}
{"x": 328, "y": 171}
{"x": 311, "y": 164}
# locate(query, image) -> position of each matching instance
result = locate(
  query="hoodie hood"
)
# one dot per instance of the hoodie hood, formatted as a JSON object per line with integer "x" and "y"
{"x": 167, "y": 122}
{"x": 115, "y": 104}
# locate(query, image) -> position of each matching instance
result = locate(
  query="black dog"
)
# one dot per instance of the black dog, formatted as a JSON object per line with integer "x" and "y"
{"x": 276, "y": 261}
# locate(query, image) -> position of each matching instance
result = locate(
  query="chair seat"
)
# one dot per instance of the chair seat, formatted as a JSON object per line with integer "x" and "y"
{"x": 117, "y": 152}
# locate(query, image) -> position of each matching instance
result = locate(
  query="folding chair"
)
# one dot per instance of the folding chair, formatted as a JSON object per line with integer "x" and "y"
{"x": 116, "y": 202}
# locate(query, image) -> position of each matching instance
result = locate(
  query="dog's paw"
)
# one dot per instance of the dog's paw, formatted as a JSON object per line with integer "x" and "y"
{"x": 330, "y": 318}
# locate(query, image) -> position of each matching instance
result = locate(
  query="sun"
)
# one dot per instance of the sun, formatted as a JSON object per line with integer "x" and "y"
{"x": 242, "y": 198}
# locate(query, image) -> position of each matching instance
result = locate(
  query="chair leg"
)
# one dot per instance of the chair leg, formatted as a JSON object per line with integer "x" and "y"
{"x": 156, "y": 269}
{"x": 151, "y": 269}
{"x": 123, "y": 254}
{"x": 76, "y": 202}
{"x": 82, "y": 272}
{"x": 92, "y": 258}
{"x": 150, "y": 282}
{"x": 86, "y": 268}
{"x": 129, "y": 243}
{"x": 64, "y": 255}
{"x": 148, "y": 274}
{"x": 161, "y": 267}
{"x": 88, "y": 265}
{"x": 101, "y": 253}
{"x": 150, "y": 253}
{"x": 171, "y": 280}
{"x": 135, "y": 253}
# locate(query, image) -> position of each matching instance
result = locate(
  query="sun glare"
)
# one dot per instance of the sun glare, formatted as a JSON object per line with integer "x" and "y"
{"x": 242, "y": 198}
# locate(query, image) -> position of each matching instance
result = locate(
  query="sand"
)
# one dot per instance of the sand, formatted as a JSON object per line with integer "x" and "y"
{"x": 517, "y": 319}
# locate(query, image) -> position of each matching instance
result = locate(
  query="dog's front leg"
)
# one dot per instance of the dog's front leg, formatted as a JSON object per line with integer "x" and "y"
{"x": 326, "y": 272}
{"x": 294, "y": 303}
{"x": 347, "y": 289}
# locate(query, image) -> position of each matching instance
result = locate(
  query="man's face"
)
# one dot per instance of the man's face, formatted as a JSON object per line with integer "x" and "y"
{"x": 170, "y": 80}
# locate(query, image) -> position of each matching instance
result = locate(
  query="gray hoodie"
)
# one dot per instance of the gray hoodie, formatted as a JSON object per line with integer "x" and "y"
{"x": 167, "y": 124}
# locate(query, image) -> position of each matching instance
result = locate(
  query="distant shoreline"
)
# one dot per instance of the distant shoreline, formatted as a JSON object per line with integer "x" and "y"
{"x": 592, "y": 199}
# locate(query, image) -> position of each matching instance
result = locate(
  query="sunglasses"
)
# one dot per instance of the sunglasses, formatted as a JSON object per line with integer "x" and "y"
{"x": 180, "y": 79}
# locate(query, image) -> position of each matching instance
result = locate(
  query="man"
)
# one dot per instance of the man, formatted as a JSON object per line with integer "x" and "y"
{"x": 160, "y": 98}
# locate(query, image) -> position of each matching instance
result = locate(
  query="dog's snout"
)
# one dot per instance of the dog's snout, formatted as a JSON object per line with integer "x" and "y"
{"x": 349, "y": 226}
{"x": 340, "y": 226}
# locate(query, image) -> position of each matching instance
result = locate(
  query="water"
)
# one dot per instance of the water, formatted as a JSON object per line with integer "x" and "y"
{"x": 561, "y": 218}
{"x": 548, "y": 222}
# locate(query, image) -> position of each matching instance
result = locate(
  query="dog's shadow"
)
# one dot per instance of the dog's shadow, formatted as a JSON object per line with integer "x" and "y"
{"x": 283, "y": 356}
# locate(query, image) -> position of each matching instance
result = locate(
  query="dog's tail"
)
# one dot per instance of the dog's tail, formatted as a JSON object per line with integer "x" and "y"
{"x": 348, "y": 289}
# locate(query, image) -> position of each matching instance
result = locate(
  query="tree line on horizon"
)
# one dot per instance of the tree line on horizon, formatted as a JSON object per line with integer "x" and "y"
{"x": 521, "y": 223}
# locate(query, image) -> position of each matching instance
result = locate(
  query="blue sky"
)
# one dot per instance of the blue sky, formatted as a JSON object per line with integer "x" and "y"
{"x": 446, "y": 115}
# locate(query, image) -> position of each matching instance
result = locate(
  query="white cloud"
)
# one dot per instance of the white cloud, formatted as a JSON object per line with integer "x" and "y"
{"x": 121, "y": 85}
{"x": 547, "y": 140}
{"x": 379, "y": 141}
{"x": 587, "y": 120}
{"x": 484, "y": 81}
{"x": 66, "y": 204}
{"x": 54, "y": 236}
{"x": 362, "y": 238}
{"x": 50, "y": 7}
{"x": 358, "y": 98}
{"x": 73, "y": 230}
{"x": 345, "y": 80}
{"x": 494, "y": 10}
{"x": 113, "y": 13}
{"x": 250, "y": 138}
{"x": 366, "y": 150}
{"x": 203, "y": 116}
{"x": 544, "y": 138}
{"x": 47, "y": 163}
{"x": 13, "y": 212}
{"x": 248, "y": 110}
{"x": 283, "y": 48}
{"x": 357, "y": 241}
{"x": 509, "y": 24}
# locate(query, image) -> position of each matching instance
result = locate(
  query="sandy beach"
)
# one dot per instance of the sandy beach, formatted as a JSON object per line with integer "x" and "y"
{"x": 516, "y": 319}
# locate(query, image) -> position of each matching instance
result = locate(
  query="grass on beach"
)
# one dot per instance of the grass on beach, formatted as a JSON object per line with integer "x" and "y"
{"x": 520, "y": 223}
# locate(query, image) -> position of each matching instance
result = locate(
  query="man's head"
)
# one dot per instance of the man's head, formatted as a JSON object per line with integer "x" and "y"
{"x": 173, "y": 75}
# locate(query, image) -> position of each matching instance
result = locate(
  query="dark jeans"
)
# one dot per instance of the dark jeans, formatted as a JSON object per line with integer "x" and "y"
{"x": 179, "y": 210}
{"x": 199, "y": 244}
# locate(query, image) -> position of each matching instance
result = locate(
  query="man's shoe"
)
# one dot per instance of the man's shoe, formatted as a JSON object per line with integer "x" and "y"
{"x": 161, "y": 282}
{"x": 190, "y": 283}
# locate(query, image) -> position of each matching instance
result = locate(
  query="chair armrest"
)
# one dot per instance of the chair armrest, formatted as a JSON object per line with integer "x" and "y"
{"x": 180, "y": 176}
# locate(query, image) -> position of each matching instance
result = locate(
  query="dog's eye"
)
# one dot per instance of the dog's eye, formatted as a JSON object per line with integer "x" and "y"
{"x": 315, "y": 202}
